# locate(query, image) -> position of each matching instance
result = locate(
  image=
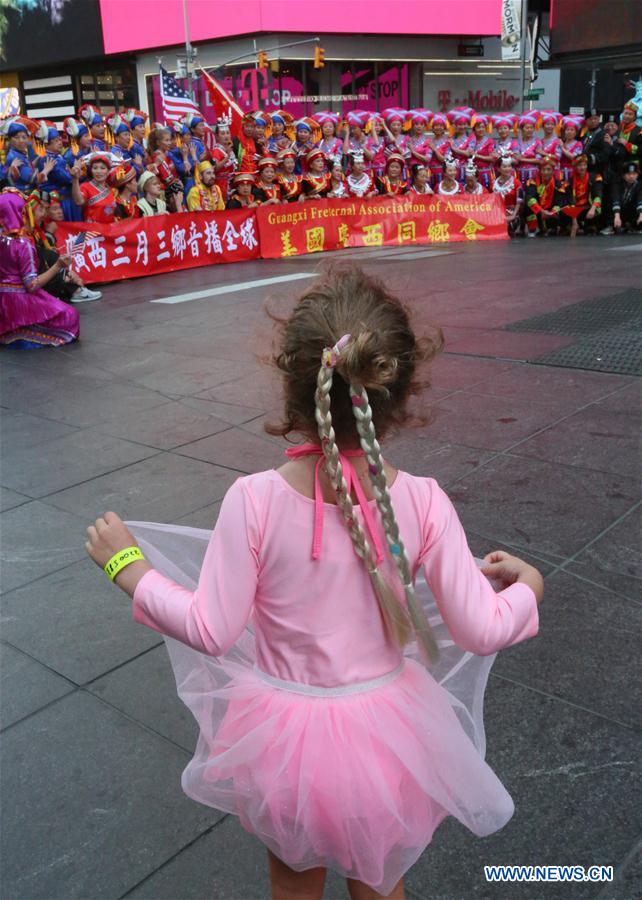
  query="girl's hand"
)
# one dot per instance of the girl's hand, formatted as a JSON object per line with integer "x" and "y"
{"x": 506, "y": 569}
{"x": 107, "y": 536}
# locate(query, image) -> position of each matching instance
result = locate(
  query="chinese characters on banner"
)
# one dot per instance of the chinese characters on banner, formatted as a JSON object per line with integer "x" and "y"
{"x": 301, "y": 228}
{"x": 157, "y": 244}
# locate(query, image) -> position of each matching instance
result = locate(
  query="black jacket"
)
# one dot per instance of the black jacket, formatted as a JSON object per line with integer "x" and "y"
{"x": 627, "y": 198}
{"x": 596, "y": 149}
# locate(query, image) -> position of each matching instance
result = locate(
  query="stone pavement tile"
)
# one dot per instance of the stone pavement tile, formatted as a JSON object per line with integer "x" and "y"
{"x": 628, "y": 400}
{"x": 74, "y": 401}
{"x": 94, "y": 801}
{"x": 236, "y": 449}
{"x": 564, "y": 389}
{"x": 192, "y": 376}
{"x": 552, "y": 509}
{"x": 144, "y": 689}
{"x": 251, "y": 390}
{"x": 600, "y": 633}
{"x": 159, "y": 489}
{"x": 10, "y": 499}
{"x": 78, "y": 457}
{"x": 627, "y": 884}
{"x": 66, "y": 361}
{"x": 202, "y": 518}
{"x": 229, "y": 412}
{"x": 37, "y": 539}
{"x": 491, "y": 423}
{"x": 573, "y": 779}
{"x": 594, "y": 437}
{"x": 614, "y": 560}
{"x": 20, "y": 431}
{"x": 163, "y": 427}
{"x": 456, "y": 372}
{"x": 25, "y": 685}
{"x": 227, "y": 863}
{"x": 415, "y": 451}
{"x": 75, "y": 622}
{"x": 510, "y": 344}
{"x": 256, "y": 426}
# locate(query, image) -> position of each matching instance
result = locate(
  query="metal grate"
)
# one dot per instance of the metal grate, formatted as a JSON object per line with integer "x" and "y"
{"x": 619, "y": 311}
{"x": 609, "y": 331}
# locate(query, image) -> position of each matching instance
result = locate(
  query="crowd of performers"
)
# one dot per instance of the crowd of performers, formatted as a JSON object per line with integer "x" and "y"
{"x": 553, "y": 172}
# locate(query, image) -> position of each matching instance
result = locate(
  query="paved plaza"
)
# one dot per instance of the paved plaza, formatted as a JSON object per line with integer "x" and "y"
{"x": 534, "y": 433}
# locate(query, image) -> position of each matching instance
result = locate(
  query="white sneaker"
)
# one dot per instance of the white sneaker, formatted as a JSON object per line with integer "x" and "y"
{"x": 83, "y": 294}
{"x": 532, "y": 233}
{"x": 607, "y": 230}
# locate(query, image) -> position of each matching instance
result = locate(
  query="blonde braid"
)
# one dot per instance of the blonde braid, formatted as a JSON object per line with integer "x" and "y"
{"x": 370, "y": 445}
{"x": 393, "y": 612}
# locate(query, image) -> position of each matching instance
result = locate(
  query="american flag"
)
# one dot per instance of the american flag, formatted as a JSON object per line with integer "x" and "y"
{"x": 76, "y": 244}
{"x": 176, "y": 102}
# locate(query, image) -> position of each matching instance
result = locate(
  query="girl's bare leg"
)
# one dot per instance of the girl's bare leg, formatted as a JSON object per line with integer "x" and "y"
{"x": 290, "y": 885}
{"x": 360, "y": 891}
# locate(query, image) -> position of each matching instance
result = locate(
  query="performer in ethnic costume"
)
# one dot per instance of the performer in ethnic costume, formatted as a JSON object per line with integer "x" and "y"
{"x": 472, "y": 185}
{"x": 245, "y": 148}
{"x": 316, "y": 181}
{"x": 571, "y": 145}
{"x": 267, "y": 189}
{"x": 242, "y": 188}
{"x": 507, "y": 185}
{"x": 418, "y": 149}
{"x": 289, "y": 182}
{"x": 506, "y": 143}
{"x": 55, "y": 175}
{"x": 93, "y": 119}
{"x": 394, "y": 120}
{"x": 205, "y": 195}
{"x": 392, "y": 183}
{"x": 627, "y": 200}
{"x": 420, "y": 180}
{"x": 337, "y": 186}
{"x": 223, "y": 157}
{"x": 450, "y": 183}
{"x": 551, "y": 141}
{"x": 278, "y": 139}
{"x": 627, "y": 145}
{"x": 584, "y": 197}
{"x": 360, "y": 183}
{"x": 304, "y": 142}
{"x": 29, "y": 316}
{"x": 95, "y": 196}
{"x": 330, "y": 144}
{"x": 17, "y": 170}
{"x": 79, "y": 141}
{"x": 355, "y": 138}
{"x": 197, "y": 128}
{"x": 483, "y": 149}
{"x": 440, "y": 145}
{"x": 123, "y": 180}
{"x": 545, "y": 197}
{"x": 137, "y": 122}
{"x": 529, "y": 147}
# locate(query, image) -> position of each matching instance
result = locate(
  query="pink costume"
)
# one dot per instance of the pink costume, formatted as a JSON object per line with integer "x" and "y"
{"x": 443, "y": 145}
{"x": 552, "y": 147}
{"x": 29, "y": 316}
{"x": 329, "y": 743}
{"x": 529, "y": 149}
{"x": 575, "y": 148}
{"x": 486, "y": 147}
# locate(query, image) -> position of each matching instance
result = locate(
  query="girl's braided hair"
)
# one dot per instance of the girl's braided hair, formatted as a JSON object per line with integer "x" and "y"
{"x": 364, "y": 337}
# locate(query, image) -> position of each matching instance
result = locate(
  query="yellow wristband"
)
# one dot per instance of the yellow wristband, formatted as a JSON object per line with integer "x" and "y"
{"x": 121, "y": 559}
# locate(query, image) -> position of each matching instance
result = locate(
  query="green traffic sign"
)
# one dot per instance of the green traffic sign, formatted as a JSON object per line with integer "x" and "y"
{"x": 533, "y": 94}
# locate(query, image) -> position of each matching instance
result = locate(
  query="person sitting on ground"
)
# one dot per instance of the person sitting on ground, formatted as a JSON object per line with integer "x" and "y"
{"x": 242, "y": 196}
{"x": 206, "y": 195}
{"x": 391, "y": 183}
{"x": 584, "y": 195}
{"x": 420, "y": 180}
{"x": 545, "y": 197}
{"x": 123, "y": 181}
{"x": 627, "y": 200}
{"x": 267, "y": 189}
{"x": 152, "y": 202}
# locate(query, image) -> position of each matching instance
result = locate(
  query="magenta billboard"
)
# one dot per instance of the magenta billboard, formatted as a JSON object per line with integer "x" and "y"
{"x": 131, "y": 27}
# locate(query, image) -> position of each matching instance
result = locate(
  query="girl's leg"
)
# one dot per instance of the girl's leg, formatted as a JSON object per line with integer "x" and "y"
{"x": 290, "y": 885}
{"x": 360, "y": 891}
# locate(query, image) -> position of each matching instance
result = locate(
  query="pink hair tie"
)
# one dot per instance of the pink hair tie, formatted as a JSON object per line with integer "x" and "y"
{"x": 330, "y": 355}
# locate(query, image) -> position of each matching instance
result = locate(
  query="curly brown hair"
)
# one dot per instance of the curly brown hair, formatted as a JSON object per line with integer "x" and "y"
{"x": 382, "y": 356}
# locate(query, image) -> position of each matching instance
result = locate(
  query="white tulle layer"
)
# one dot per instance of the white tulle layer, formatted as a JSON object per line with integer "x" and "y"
{"x": 354, "y": 780}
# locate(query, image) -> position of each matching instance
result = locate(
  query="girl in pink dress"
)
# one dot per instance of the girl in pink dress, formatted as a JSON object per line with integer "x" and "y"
{"x": 506, "y": 143}
{"x": 296, "y": 632}
{"x": 571, "y": 146}
{"x": 440, "y": 146}
{"x": 418, "y": 149}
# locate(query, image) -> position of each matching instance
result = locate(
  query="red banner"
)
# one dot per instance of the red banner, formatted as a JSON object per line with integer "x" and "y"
{"x": 156, "y": 244}
{"x": 314, "y": 226}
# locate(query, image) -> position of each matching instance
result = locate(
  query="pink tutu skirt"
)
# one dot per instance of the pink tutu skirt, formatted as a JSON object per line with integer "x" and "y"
{"x": 356, "y": 778}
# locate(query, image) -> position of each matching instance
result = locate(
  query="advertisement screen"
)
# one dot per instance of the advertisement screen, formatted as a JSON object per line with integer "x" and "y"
{"x": 145, "y": 24}
{"x": 580, "y": 25}
{"x": 48, "y": 32}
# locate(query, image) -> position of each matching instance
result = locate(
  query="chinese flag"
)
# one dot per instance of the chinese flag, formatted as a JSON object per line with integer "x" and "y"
{"x": 224, "y": 104}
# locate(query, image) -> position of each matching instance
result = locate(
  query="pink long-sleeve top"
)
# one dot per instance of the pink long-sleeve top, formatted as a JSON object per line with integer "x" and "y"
{"x": 317, "y": 621}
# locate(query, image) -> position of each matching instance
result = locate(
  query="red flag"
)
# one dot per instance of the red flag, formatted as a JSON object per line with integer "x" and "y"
{"x": 224, "y": 104}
